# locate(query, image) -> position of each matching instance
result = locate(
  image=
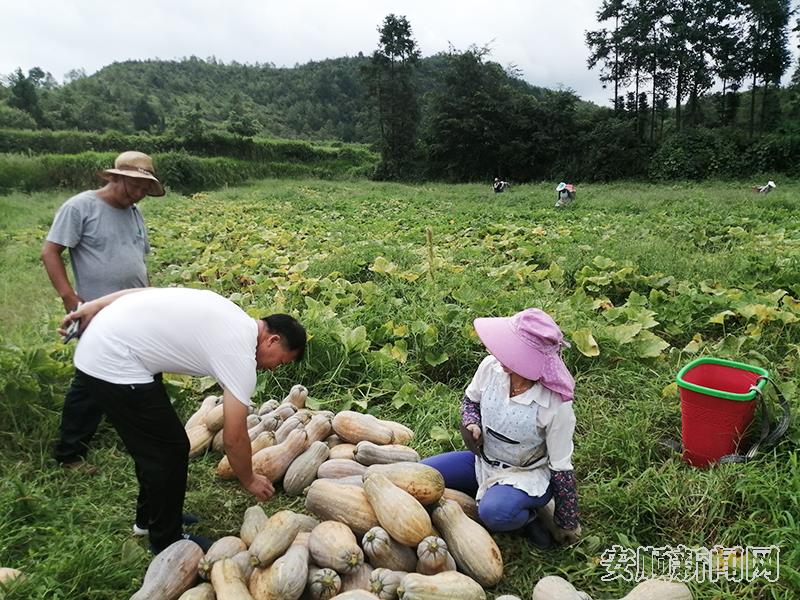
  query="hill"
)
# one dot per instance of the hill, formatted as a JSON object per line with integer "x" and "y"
{"x": 320, "y": 100}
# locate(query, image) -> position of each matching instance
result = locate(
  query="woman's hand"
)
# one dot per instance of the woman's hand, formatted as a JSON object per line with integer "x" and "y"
{"x": 471, "y": 434}
{"x": 567, "y": 537}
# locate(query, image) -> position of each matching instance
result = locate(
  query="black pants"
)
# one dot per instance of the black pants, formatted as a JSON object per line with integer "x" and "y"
{"x": 156, "y": 440}
{"x": 79, "y": 420}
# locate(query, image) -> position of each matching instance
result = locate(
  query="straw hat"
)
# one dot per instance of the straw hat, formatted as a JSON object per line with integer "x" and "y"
{"x": 529, "y": 343}
{"x": 138, "y": 165}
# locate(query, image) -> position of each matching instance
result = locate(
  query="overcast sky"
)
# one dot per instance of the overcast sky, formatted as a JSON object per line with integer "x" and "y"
{"x": 543, "y": 38}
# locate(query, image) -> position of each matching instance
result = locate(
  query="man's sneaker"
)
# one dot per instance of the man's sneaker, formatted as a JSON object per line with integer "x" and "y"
{"x": 189, "y": 519}
{"x": 204, "y": 542}
{"x": 538, "y": 535}
{"x": 186, "y": 519}
{"x": 80, "y": 466}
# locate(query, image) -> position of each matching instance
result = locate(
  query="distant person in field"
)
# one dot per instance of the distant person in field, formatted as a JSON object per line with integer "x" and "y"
{"x": 107, "y": 242}
{"x": 565, "y": 194}
{"x": 517, "y": 423}
{"x": 499, "y": 185}
{"x": 766, "y": 188}
{"x": 130, "y": 338}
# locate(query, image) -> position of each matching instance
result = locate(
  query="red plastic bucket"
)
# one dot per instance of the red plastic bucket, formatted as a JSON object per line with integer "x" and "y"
{"x": 718, "y": 400}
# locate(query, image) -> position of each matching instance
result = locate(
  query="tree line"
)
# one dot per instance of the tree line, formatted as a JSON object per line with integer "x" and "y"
{"x": 679, "y": 71}
{"x": 480, "y": 122}
{"x": 680, "y": 49}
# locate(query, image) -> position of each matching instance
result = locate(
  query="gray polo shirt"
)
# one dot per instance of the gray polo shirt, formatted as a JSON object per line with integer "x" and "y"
{"x": 107, "y": 245}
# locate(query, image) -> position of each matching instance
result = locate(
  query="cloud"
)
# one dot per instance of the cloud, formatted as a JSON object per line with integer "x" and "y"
{"x": 545, "y": 39}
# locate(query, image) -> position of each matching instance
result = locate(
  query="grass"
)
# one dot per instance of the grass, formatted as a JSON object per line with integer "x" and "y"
{"x": 351, "y": 260}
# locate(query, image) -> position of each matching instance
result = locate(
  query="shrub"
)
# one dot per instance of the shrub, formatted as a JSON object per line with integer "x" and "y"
{"x": 609, "y": 149}
{"x": 178, "y": 170}
{"x": 695, "y": 153}
{"x": 215, "y": 143}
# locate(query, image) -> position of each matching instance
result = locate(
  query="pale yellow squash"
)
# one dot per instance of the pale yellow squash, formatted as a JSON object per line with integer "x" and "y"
{"x": 398, "y": 512}
{"x": 385, "y": 552}
{"x": 284, "y": 579}
{"x": 322, "y": 583}
{"x": 347, "y": 504}
{"x": 171, "y": 572}
{"x": 333, "y": 545}
{"x": 384, "y": 583}
{"x": 425, "y": 483}
{"x": 472, "y": 547}
{"x": 355, "y": 427}
{"x": 443, "y": 586}
{"x": 228, "y": 582}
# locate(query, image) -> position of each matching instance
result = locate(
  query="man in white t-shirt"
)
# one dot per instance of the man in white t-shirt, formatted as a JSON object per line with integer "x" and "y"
{"x": 132, "y": 336}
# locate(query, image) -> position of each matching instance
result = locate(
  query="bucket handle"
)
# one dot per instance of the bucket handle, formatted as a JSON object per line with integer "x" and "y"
{"x": 766, "y": 438}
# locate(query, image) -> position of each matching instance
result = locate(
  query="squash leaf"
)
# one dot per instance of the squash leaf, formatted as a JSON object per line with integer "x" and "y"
{"x": 355, "y": 340}
{"x": 585, "y": 342}
{"x": 649, "y": 345}
{"x": 720, "y": 317}
{"x": 624, "y": 334}
{"x": 436, "y": 359}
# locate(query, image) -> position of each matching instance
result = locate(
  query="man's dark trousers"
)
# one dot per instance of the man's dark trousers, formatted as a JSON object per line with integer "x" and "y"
{"x": 156, "y": 440}
{"x": 79, "y": 420}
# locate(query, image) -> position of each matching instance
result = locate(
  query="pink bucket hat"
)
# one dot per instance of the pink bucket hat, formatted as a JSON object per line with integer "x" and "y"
{"x": 529, "y": 343}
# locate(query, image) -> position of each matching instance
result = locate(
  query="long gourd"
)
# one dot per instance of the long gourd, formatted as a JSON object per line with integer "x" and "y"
{"x": 303, "y": 469}
{"x": 347, "y": 504}
{"x": 333, "y": 545}
{"x": 385, "y": 552}
{"x": 398, "y": 512}
{"x": 171, "y": 572}
{"x": 425, "y": 483}
{"x": 443, "y": 586}
{"x": 472, "y": 547}
{"x": 228, "y": 582}
{"x": 355, "y": 427}
{"x": 285, "y": 579}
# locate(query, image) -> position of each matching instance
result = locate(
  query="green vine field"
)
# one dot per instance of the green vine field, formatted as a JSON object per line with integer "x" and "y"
{"x": 387, "y": 279}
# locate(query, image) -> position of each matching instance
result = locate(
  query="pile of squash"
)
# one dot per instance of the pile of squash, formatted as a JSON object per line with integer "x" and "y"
{"x": 289, "y": 555}
{"x": 384, "y": 525}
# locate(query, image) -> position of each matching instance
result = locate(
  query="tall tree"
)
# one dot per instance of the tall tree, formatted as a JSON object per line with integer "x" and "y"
{"x": 391, "y": 83}
{"x": 472, "y": 119}
{"x": 240, "y": 120}
{"x": 25, "y": 95}
{"x": 604, "y": 46}
{"x": 145, "y": 116}
{"x": 767, "y": 47}
{"x": 730, "y": 57}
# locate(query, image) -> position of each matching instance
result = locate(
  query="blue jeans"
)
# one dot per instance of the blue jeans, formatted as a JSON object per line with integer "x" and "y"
{"x": 503, "y": 507}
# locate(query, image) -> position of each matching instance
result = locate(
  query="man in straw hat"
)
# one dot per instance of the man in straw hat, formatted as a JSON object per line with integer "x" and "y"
{"x": 107, "y": 242}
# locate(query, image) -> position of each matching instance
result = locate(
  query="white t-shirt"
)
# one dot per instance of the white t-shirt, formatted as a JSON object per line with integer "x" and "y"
{"x": 172, "y": 330}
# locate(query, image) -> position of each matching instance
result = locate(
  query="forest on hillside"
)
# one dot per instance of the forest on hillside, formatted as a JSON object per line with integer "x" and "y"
{"x": 694, "y": 90}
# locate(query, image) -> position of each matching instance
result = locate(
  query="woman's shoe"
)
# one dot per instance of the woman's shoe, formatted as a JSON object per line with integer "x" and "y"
{"x": 538, "y": 535}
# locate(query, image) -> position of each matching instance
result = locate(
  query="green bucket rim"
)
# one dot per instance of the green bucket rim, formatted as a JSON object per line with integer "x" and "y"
{"x": 719, "y": 393}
